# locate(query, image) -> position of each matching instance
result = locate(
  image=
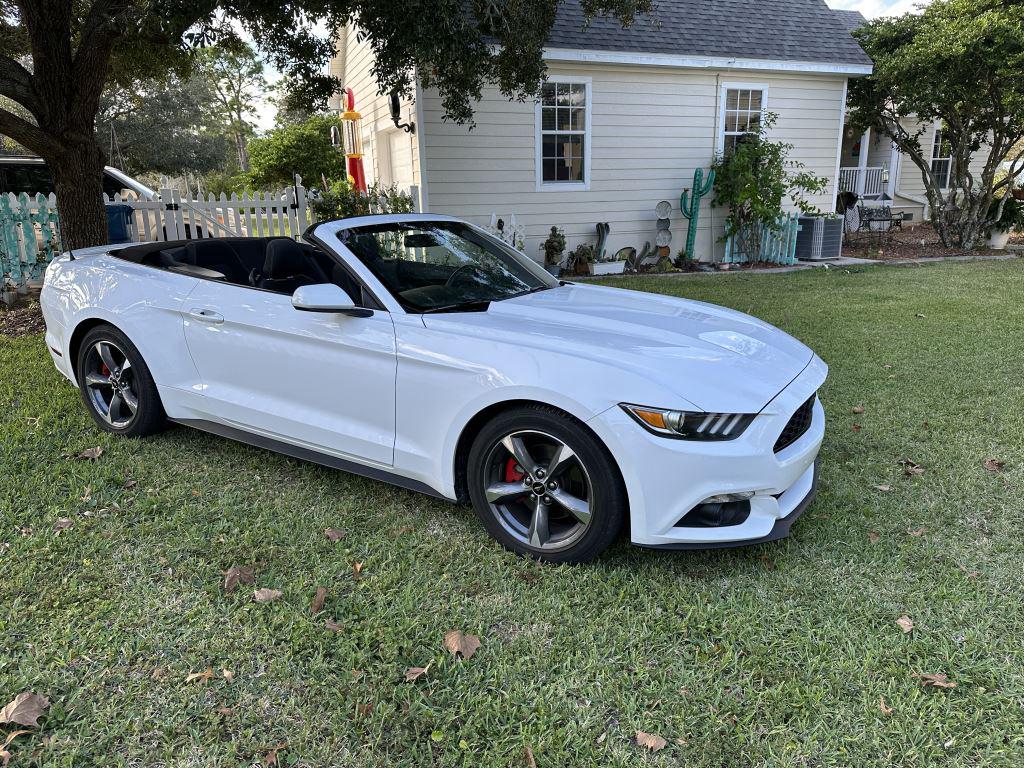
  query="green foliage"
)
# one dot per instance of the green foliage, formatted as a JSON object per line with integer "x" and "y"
{"x": 959, "y": 62}
{"x": 342, "y": 201}
{"x": 304, "y": 149}
{"x": 583, "y": 252}
{"x": 1006, "y": 214}
{"x": 754, "y": 179}
{"x": 554, "y": 247}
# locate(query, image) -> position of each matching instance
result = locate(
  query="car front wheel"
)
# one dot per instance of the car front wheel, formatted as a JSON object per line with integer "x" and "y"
{"x": 545, "y": 487}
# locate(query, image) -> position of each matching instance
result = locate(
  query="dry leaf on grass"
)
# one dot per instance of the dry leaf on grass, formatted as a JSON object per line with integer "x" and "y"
{"x": 911, "y": 467}
{"x": 5, "y": 756}
{"x": 63, "y": 524}
{"x": 265, "y": 595}
{"x": 906, "y": 624}
{"x": 886, "y": 709}
{"x": 856, "y": 427}
{"x": 531, "y": 762}
{"x": 318, "y": 601}
{"x": 936, "y": 680}
{"x": 460, "y": 644}
{"x": 650, "y": 741}
{"x": 332, "y": 626}
{"x": 917, "y": 532}
{"x": 334, "y": 534}
{"x": 238, "y": 574}
{"x": 993, "y": 465}
{"x": 412, "y": 674}
{"x": 858, "y": 409}
{"x": 874, "y": 536}
{"x": 271, "y": 757}
{"x": 200, "y": 677}
{"x": 882, "y": 488}
{"x": 225, "y": 711}
{"x": 357, "y": 571}
{"x": 24, "y": 709}
{"x": 158, "y": 673}
{"x": 228, "y": 675}
{"x": 91, "y": 454}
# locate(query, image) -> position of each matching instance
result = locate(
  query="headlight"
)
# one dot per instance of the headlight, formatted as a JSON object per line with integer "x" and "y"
{"x": 690, "y": 425}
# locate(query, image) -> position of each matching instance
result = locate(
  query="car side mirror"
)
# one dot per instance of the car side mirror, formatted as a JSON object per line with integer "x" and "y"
{"x": 327, "y": 297}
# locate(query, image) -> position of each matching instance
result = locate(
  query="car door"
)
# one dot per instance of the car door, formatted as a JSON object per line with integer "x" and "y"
{"x": 323, "y": 381}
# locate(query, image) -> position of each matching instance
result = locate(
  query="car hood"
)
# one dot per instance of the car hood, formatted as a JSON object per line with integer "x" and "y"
{"x": 715, "y": 358}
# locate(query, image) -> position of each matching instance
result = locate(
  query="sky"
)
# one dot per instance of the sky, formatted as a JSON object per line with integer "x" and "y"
{"x": 264, "y": 113}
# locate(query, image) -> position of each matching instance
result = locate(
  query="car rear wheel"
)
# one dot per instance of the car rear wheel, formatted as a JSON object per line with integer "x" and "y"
{"x": 545, "y": 487}
{"x": 116, "y": 385}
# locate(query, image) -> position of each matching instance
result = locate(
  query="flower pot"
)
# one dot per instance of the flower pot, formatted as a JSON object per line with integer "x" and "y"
{"x": 608, "y": 267}
{"x": 997, "y": 240}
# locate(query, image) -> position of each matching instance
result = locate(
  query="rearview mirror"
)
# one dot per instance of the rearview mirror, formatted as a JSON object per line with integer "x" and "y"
{"x": 327, "y": 297}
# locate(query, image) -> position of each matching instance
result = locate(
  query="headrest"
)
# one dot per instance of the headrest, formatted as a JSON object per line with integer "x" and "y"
{"x": 205, "y": 252}
{"x": 285, "y": 257}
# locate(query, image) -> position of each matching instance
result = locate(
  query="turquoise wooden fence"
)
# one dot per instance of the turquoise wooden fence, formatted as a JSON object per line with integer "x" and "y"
{"x": 29, "y": 239}
{"x": 778, "y": 243}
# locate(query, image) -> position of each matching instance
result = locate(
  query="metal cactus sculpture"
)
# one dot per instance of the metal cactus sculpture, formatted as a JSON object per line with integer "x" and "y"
{"x": 690, "y": 206}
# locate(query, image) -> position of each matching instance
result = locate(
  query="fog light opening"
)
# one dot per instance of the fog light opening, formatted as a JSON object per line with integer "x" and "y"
{"x": 717, "y": 514}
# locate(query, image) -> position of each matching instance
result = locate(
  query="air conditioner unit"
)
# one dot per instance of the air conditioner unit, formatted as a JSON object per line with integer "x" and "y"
{"x": 820, "y": 238}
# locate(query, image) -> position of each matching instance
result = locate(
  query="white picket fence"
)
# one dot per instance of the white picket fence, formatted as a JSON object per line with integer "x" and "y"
{"x": 174, "y": 216}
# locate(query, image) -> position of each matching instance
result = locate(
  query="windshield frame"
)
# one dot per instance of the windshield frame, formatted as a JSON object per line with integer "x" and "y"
{"x": 344, "y": 229}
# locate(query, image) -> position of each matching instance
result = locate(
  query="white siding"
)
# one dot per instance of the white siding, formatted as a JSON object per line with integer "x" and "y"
{"x": 651, "y": 127}
{"x": 389, "y": 154}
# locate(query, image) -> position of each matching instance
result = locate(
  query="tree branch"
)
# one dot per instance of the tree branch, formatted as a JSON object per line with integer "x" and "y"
{"x": 31, "y": 136}
{"x": 16, "y": 84}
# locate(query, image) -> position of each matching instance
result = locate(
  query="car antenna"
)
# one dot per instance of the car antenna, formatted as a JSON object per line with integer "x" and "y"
{"x": 71, "y": 255}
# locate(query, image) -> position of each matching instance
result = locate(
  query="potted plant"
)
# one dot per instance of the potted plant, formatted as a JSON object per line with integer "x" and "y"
{"x": 616, "y": 265}
{"x": 1012, "y": 218}
{"x": 581, "y": 259}
{"x": 554, "y": 251}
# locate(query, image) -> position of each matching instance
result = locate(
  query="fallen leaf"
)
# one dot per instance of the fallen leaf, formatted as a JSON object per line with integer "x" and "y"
{"x": 86, "y": 494}
{"x": 528, "y": 754}
{"x": 874, "y": 536}
{"x": 916, "y": 531}
{"x": 919, "y": 315}
{"x": 271, "y": 757}
{"x": 682, "y": 742}
{"x": 911, "y": 467}
{"x": 200, "y": 677}
{"x": 906, "y": 624}
{"x": 856, "y": 427}
{"x": 25, "y": 709}
{"x": 858, "y": 409}
{"x": 332, "y": 626}
{"x": 993, "y": 465}
{"x": 460, "y": 644}
{"x": 936, "y": 680}
{"x": 225, "y": 711}
{"x": 158, "y": 673}
{"x": 265, "y": 595}
{"x": 412, "y": 674}
{"x": 63, "y": 523}
{"x": 91, "y": 454}
{"x": 228, "y": 675}
{"x": 357, "y": 571}
{"x": 129, "y": 484}
{"x": 886, "y": 710}
{"x": 650, "y": 741}
{"x": 238, "y": 574}
{"x": 318, "y": 601}
{"x": 5, "y": 756}
{"x": 882, "y": 488}
{"x": 334, "y": 534}
{"x": 602, "y": 737}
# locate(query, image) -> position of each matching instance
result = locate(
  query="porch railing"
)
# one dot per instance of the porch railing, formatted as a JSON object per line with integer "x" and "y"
{"x": 866, "y": 182}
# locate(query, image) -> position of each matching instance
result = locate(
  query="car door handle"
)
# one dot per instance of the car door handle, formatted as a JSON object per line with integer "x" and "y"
{"x": 206, "y": 316}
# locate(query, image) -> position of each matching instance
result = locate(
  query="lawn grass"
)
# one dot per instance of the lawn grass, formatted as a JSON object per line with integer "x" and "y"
{"x": 777, "y": 655}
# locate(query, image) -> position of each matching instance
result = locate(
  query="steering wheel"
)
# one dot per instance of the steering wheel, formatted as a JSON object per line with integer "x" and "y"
{"x": 465, "y": 267}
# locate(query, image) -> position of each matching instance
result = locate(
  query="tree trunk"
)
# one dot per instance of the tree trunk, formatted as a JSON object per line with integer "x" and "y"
{"x": 78, "y": 182}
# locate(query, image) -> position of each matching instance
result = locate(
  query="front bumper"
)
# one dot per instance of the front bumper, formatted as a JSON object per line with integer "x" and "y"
{"x": 666, "y": 479}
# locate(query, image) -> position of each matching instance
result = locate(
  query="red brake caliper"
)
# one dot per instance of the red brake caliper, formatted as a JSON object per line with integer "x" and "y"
{"x": 513, "y": 472}
{"x": 104, "y": 370}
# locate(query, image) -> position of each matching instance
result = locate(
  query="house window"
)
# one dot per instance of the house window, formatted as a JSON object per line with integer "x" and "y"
{"x": 942, "y": 158}
{"x": 742, "y": 109}
{"x": 563, "y": 128}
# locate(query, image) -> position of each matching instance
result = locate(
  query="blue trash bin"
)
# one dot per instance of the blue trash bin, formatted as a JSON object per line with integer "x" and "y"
{"x": 119, "y": 221}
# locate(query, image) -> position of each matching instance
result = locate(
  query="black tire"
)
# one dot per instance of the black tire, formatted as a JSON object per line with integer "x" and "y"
{"x": 136, "y": 382}
{"x": 589, "y": 475}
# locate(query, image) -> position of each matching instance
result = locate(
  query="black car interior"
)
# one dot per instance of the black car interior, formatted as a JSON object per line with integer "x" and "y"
{"x": 277, "y": 264}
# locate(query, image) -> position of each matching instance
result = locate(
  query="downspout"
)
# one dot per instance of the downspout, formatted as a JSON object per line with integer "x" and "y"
{"x": 421, "y": 143}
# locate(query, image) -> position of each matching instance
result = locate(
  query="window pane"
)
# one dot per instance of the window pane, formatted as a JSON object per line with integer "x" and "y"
{"x": 547, "y": 94}
{"x": 732, "y": 99}
{"x": 578, "y": 95}
{"x": 753, "y": 121}
{"x": 564, "y": 116}
{"x": 562, "y": 89}
{"x": 731, "y": 122}
{"x": 548, "y": 146}
{"x": 550, "y": 172}
{"x": 755, "y": 100}
{"x": 547, "y": 118}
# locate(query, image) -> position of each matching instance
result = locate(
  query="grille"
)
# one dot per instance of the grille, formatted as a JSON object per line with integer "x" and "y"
{"x": 799, "y": 423}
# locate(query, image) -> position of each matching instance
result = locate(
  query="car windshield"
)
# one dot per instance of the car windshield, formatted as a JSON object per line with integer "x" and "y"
{"x": 439, "y": 266}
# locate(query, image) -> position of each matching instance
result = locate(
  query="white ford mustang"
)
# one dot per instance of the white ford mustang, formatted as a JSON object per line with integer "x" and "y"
{"x": 420, "y": 351}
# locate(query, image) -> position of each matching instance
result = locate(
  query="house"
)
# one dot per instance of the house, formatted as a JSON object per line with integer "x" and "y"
{"x": 626, "y": 117}
{"x": 874, "y": 168}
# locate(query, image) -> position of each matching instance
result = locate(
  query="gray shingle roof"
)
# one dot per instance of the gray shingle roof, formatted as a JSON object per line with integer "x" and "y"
{"x": 785, "y": 30}
{"x": 851, "y": 19}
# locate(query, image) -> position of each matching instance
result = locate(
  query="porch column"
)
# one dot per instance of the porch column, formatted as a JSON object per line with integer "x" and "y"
{"x": 894, "y": 170}
{"x": 862, "y": 163}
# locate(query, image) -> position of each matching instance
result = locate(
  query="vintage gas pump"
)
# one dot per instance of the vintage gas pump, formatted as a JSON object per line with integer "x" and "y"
{"x": 350, "y": 120}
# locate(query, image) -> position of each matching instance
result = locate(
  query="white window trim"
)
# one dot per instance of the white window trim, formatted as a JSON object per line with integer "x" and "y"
{"x": 936, "y": 129}
{"x": 723, "y": 91}
{"x": 563, "y": 186}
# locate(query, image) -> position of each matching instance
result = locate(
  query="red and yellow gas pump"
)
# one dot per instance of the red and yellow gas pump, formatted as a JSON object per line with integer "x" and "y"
{"x": 350, "y": 120}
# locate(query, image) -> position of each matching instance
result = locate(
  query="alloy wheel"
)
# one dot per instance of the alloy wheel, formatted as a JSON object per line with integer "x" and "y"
{"x": 110, "y": 384}
{"x": 539, "y": 490}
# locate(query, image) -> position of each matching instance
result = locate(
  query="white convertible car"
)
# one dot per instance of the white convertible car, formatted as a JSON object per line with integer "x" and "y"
{"x": 421, "y": 351}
